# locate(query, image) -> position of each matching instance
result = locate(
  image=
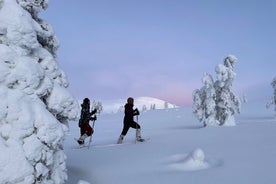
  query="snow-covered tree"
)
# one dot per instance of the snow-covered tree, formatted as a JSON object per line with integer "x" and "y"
{"x": 273, "y": 100}
{"x": 215, "y": 103}
{"x": 121, "y": 109}
{"x": 166, "y": 105}
{"x": 97, "y": 105}
{"x": 144, "y": 108}
{"x": 227, "y": 103}
{"x": 244, "y": 99}
{"x": 35, "y": 103}
{"x": 204, "y": 105}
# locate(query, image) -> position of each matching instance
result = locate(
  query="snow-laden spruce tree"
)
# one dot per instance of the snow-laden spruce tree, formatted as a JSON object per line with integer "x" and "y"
{"x": 35, "y": 103}
{"x": 205, "y": 102}
{"x": 215, "y": 103}
{"x": 273, "y": 100}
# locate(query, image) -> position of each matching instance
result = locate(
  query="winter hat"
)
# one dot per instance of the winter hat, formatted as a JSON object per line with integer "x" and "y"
{"x": 86, "y": 101}
{"x": 130, "y": 100}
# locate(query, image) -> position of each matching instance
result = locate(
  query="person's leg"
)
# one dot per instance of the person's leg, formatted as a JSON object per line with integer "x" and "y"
{"x": 138, "y": 134}
{"x": 81, "y": 139}
{"x": 82, "y": 130}
{"x": 86, "y": 131}
{"x": 138, "y": 130}
{"x": 134, "y": 125}
{"x": 124, "y": 132}
{"x": 89, "y": 131}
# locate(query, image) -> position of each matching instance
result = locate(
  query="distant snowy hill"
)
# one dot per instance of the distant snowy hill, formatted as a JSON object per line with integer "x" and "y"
{"x": 142, "y": 103}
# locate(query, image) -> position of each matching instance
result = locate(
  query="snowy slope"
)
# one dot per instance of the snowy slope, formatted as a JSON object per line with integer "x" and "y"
{"x": 179, "y": 150}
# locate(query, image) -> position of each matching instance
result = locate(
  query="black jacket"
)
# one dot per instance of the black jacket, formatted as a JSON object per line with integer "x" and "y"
{"x": 129, "y": 113}
{"x": 86, "y": 116}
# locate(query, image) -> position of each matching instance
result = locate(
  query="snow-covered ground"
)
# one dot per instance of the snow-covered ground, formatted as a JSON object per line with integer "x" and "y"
{"x": 179, "y": 150}
{"x": 36, "y": 105}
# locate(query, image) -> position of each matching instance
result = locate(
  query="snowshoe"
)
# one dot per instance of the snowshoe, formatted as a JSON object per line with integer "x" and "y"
{"x": 81, "y": 142}
{"x": 140, "y": 139}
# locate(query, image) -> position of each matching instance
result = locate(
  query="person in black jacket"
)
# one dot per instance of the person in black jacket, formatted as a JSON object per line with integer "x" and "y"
{"x": 85, "y": 129}
{"x": 129, "y": 122}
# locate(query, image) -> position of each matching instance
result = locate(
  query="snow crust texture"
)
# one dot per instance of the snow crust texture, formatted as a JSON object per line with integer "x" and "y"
{"x": 35, "y": 103}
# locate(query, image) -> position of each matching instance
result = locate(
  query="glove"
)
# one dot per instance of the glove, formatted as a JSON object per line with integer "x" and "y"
{"x": 93, "y": 118}
{"x": 94, "y": 111}
{"x": 136, "y": 111}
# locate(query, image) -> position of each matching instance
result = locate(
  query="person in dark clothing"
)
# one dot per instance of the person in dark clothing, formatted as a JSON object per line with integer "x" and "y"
{"x": 129, "y": 122}
{"x": 85, "y": 129}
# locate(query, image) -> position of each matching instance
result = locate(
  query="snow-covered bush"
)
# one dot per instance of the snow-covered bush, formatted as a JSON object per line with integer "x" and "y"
{"x": 97, "y": 105}
{"x": 273, "y": 100}
{"x": 35, "y": 103}
{"x": 215, "y": 103}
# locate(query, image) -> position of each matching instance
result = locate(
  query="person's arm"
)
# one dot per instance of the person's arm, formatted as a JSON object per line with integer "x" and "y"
{"x": 136, "y": 112}
{"x": 93, "y": 112}
{"x": 129, "y": 111}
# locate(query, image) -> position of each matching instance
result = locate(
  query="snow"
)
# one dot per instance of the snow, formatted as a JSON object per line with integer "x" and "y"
{"x": 180, "y": 150}
{"x": 142, "y": 103}
{"x": 36, "y": 107}
{"x": 215, "y": 104}
{"x": 191, "y": 162}
{"x": 35, "y": 103}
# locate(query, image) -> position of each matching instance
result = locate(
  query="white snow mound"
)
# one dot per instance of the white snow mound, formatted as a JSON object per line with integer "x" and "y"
{"x": 83, "y": 182}
{"x": 191, "y": 162}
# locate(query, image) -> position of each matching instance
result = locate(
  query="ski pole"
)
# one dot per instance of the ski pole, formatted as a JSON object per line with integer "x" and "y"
{"x": 136, "y": 129}
{"x": 91, "y": 135}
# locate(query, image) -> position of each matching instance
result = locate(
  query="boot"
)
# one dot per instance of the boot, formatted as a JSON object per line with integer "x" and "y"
{"x": 81, "y": 139}
{"x": 81, "y": 142}
{"x": 120, "y": 140}
{"x": 138, "y": 135}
